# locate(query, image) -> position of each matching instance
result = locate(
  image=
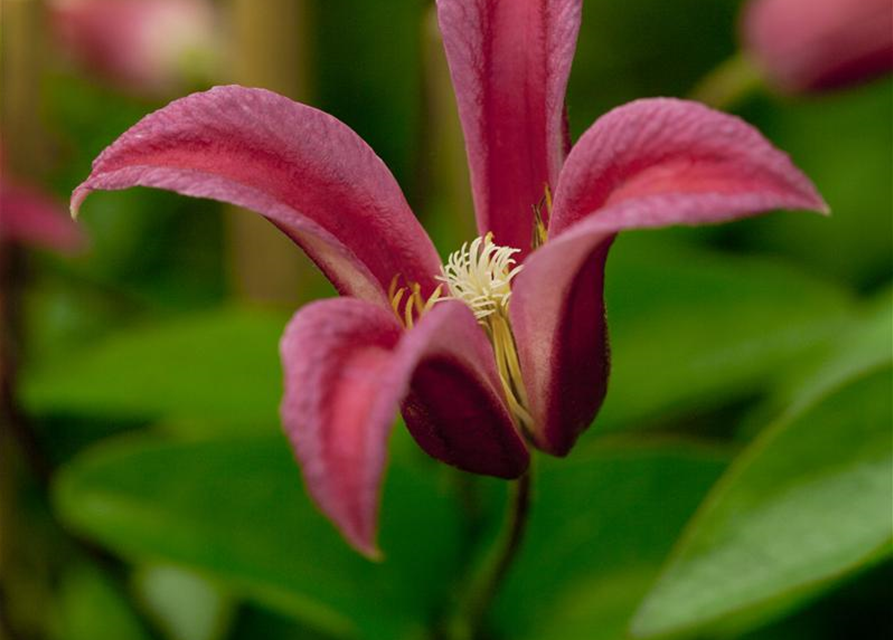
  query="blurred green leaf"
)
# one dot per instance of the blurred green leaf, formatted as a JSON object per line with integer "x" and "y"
{"x": 92, "y": 607}
{"x": 257, "y": 623}
{"x": 158, "y": 249}
{"x": 807, "y": 502}
{"x": 601, "y": 525}
{"x": 234, "y": 508}
{"x": 220, "y": 366}
{"x": 184, "y": 604}
{"x": 380, "y": 99}
{"x": 630, "y": 50}
{"x": 863, "y": 345}
{"x": 842, "y": 142}
{"x": 692, "y": 329}
{"x": 859, "y": 608}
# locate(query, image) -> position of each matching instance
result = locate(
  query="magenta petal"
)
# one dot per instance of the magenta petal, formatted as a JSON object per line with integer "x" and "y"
{"x": 510, "y": 61}
{"x": 662, "y": 161}
{"x": 455, "y": 408}
{"x": 302, "y": 169}
{"x": 30, "y": 217}
{"x": 809, "y": 45}
{"x": 647, "y": 164}
{"x": 349, "y": 364}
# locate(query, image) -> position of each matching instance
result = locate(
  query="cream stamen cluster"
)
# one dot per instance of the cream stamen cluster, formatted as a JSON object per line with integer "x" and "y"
{"x": 480, "y": 275}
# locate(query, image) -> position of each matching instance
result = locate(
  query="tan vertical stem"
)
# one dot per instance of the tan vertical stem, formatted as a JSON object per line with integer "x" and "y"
{"x": 729, "y": 84}
{"x": 22, "y": 140}
{"x": 269, "y": 50}
{"x": 446, "y": 187}
{"x": 21, "y": 46}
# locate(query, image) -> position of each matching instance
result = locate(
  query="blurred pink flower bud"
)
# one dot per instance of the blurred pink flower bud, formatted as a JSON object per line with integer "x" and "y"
{"x": 145, "y": 46}
{"x": 29, "y": 217}
{"x": 811, "y": 45}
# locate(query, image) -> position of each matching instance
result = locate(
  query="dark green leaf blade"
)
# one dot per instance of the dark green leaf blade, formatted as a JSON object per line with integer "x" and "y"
{"x": 693, "y": 329}
{"x": 91, "y": 606}
{"x": 808, "y": 501}
{"x": 602, "y": 523}
{"x": 234, "y": 508}
{"x": 221, "y": 365}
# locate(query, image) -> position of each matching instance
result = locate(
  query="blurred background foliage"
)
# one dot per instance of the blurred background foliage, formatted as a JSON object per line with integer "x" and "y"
{"x": 736, "y": 485}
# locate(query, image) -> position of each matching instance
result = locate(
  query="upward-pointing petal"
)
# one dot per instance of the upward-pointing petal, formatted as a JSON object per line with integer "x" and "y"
{"x": 509, "y": 61}
{"x": 302, "y": 169}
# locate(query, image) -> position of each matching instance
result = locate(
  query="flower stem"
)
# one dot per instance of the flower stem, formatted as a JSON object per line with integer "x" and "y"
{"x": 484, "y": 582}
{"x": 728, "y": 84}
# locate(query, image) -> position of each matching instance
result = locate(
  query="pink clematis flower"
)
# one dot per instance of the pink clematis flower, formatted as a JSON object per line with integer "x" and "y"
{"x": 505, "y": 346}
{"x": 811, "y": 45}
{"x": 144, "y": 46}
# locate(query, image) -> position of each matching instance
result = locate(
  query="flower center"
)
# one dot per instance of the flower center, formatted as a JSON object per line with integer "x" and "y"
{"x": 480, "y": 275}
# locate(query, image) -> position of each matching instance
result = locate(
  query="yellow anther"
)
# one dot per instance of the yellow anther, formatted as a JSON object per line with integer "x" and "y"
{"x": 540, "y": 233}
{"x": 392, "y": 288}
{"x": 417, "y": 297}
{"x": 395, "y": 301}
{"x": 407, "y": 313}
{"x": 435, "y": 297}
{"x": 408, "y": 303}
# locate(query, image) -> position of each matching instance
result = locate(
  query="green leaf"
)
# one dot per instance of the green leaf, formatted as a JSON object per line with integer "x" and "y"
{"x": 601, "y": 525}
{"x": 234, "y": 509}
{"x": 256, "y": 623}
{"x": 841, "y": 142}
{"x": 390, "y": 120}
{"x": 185, "y": 605}
{"x": 866, "y": 344}
{"x": 807, "y": 502}
{"x": 92, "y": 607}
{"x": 220, "y": 366}
{"x": 693, "y": 330}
